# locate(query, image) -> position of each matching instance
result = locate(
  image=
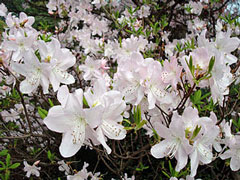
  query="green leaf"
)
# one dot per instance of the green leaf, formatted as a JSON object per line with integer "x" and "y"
{"x": 191, "y": 65}
{"x": 196, "y": 131}
{"x": 197, "y": 96}
{"x": 128, "y": 128}
{"x": 130, "y": 32}
{"x": 166, "y": 174}
{"x": 155, "y": 134}
{"x": 127, "y": 121}
{"x": 3, "y": 166}
{"x": 137, "y": 114}
{"x": 8, "y": 160}
{"x": 50, "y": 102}
{"x": 49, "y": 154}
{"x": 3, "y": 152}
{"x": 14, "y": 166}
{"x": 7, "y": 174}
{"x": 140, "y": 125}
{"x": 171, "y": 168}
{"x": 42, "y": 112}
{"x": 211, "y": 64}
{"x": 85, "y": 102}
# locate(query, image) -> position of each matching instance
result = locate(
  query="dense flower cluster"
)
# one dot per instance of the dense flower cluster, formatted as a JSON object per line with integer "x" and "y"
{"x": 111, "y": 72}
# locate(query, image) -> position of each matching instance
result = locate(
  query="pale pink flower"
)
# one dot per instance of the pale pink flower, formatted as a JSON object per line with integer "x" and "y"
{"x": 20, "y": 42}
{"x": 234, "y": 153}
{"x": 31, "y": 170}
{"x": 174, "y": 144}
{"x": 109, "y": 106}
{"x": 144, "y": 11}
{"x": 59, "y": 60}
{"x": 35, "y": 72}
{"x": 171, "y": 72}
{"x": 72, "y": 120}
{"x": 3, "y": 10}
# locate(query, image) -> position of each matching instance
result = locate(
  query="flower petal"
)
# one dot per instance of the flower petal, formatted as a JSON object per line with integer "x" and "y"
{"x": 161, "y": 149}
{"x": 67, "y": 147}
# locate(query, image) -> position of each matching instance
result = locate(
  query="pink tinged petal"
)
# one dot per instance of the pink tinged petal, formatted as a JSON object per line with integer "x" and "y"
{"x": 29, "y": 84}
{"x": 151, "y": 100}
{"x": 205, "y": 154}
{"x": 227, "y": 154}
{"x": 102, "y": 140}
{"x": 136, "y": 57}
{"x": 230, "y": 44}
{"x": 43, "y": 49}
{"x": 68, "y": 146}
{"x": 66, "y": 59}
{"x": 190, "y": 114}
{"x": 63, "y": 76}
{"x": 89, "y": 97}
{"x": 113, "y": 130}
{"x": 20, "y": 68}
{"x": 129, "y": 92}
{"x": 163, "y": 131}
{"x": 28, "y": 174}
{"x": 62, "y": 95}
{"x": 235, "y": 163}
{"x": 54, "y": 81}
{"x": 57, "y": 120}
{"x": 158, "y": 93}
{"x": 140, "y": 95}
{"x": 17, "y": 55}
{"x": 91, "y": 135}
{"x": 10, "y": 45}
{"x": 30, "y": 21}
{"x": 94, "y": 116}
{"x": 22, "y": 16}
{"x": 182, "y": 158}
{"x": 177, "y": 127}
{"x": 231, "y": 58}
{"x": 31, "y": 58}
{"x": 54, "y": 44}
{"x": 87, "y": 75}
{"x": 74, "y": 106}
{"x": 45, "y": 84}
{"x": 217, "y": 146}
{"x": 79, "y": 96}
{"x": 161, "y": 149}
{"x": 194, "y": 162}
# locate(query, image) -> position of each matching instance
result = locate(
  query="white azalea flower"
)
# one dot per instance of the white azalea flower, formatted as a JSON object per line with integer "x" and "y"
{"x": 20, "y": 42}
{"x": 72, "y": 120}
{"x": 35, "y": 73}
{"x": 59, "y": 59}
{"x": 109, "y": 107}
{"x": 31, "y": 170}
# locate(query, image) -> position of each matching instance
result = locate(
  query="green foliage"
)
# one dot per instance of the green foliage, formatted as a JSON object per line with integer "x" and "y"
{"x": 171, "y": 172}
{"x": 137, "y": 120}
{"x": 51, "y": 156}
{"x": 236, "y": 123}
{"x": 201, "y": 102}
{"x": 141, "y": 167}
{"x": 6, "y": 167}
{"x": 189, "y": 45}
{"x": 42, "y": 112}
{"x": 195, "y": 70}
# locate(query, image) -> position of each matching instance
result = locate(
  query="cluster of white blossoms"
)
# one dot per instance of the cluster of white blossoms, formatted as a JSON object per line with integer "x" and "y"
{"x": 79, "y": 125}
{"x": 115, "y": 73}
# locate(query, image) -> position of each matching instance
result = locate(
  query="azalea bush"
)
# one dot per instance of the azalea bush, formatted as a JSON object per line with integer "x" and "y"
{"x": 136, "y": 89}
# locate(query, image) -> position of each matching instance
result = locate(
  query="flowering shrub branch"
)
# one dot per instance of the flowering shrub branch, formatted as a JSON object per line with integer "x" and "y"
{"x": 146, "y": 88}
